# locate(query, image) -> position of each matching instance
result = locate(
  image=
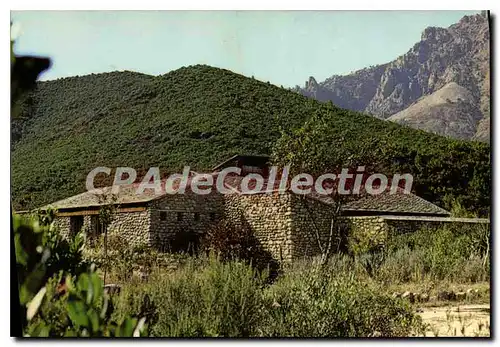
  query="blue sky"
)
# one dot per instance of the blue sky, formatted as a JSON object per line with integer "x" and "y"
{"x": 284, "y": 47}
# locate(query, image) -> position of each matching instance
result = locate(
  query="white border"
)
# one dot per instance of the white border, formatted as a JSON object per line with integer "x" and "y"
{"x": 207, "y": 5}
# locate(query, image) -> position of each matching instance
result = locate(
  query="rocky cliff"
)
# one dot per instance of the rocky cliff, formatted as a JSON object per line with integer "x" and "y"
{"x": 408, "y": 89}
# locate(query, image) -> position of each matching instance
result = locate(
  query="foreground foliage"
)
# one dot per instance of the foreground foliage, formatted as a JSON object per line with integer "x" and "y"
{"x": 60, "y": 295}
{"x": 231, "y": 299}
{"x": 455, "y": 253}
{"x": 321, "y": 302}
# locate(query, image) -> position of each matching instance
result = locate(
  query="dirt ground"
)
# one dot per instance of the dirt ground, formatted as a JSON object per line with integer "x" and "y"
{"x": 457, "y": 320}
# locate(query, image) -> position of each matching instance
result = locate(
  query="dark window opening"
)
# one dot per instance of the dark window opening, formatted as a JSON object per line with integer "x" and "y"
{"x": 213, "y": 216}
{"x": 95, "y": 227}
{"x": 196, "y": 216}
{"x": 163, "y": 215}
{"x": 186, "y": 241}
{"x": 76, "y": 224}
{"x": 180, "y": 215}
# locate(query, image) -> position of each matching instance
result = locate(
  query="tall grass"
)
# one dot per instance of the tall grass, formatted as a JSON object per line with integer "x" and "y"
{"x": 215, "y": 299}
{"x": 232, "y": 299}
{"x": 347, "y": 297}
{"x": 316, "y": 301}
{"x": 454, "y": 253}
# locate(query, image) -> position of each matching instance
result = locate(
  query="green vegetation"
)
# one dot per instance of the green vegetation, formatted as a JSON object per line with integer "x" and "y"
{"x": 233, "y": 300}
{"x": 457, "y": 254}
{"x": 59, "y": 293}
{"x": 201, "y": 115}
{"x": 194, "y": 116}
{"x": 226, "y": 296}
{"x": 445, "y": 171}
{"x": 230, "y": 296}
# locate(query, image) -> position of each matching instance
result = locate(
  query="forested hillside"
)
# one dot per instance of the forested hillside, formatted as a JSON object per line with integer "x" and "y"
{"x": 198, "y": 116}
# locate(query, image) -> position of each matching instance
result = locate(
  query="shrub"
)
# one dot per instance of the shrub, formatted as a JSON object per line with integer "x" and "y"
{"x": 232, "y": 242}
{"x": 45, "y": 310}
{"x": 321, "y": 302}
{"x": 455, "y": 253}
{"x": 402, "y": 266}
{"x": 80, "y": 308}
{"x": 122, "y": 258}
{"x": 217, "y": 299}
{"x": 230, "y": 299}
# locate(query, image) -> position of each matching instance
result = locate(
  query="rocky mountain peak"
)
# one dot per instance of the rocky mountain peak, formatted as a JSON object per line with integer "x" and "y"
{"x": 458, "y": 54}
{"x": 311, "y": 84}
{"x": 434, "y": 34}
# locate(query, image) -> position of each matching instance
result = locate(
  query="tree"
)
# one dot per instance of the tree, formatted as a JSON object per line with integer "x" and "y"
{"x": 106, "y": 215}
{"x": 308, "y": 150}
{"x": 24, "y": 73}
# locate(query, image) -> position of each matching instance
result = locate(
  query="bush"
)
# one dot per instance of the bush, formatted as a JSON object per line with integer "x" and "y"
{"x": 231, "y": 242}
{"x": 122, "y": 258}
{"x": 79, "y": 308}
{"x": 320, "y": 302}
{"x": 454, "y": 253}
{"x": 217, "y": 299}
{"x": 72, "y": 302}
{"x": 51, "y": 310}
{"x": 402, "y": 266}
{"x": 230, "y": 299}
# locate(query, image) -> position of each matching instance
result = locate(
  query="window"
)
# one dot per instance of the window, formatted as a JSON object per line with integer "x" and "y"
{"x": 196, "y": 216}
{"x": 180, "y": 215}
{"x": 95, "y": 227}
{"x": 75, "y": 224}
{"x": 163, "y": 215}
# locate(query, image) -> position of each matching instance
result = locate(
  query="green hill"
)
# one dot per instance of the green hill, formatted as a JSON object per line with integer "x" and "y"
{"x": 195, "y": 116}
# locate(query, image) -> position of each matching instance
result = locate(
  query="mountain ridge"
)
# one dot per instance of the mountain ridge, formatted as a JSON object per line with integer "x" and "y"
{"x": 459, "y": 53}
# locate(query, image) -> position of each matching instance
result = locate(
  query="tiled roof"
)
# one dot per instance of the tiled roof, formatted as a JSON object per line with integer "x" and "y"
{"x": 127, "y": 194}
{"x": 435, "y": 219}
{"x": 398, "y": 202}
{"x": 394, "y": 203}
{"x": 93, "y": 198}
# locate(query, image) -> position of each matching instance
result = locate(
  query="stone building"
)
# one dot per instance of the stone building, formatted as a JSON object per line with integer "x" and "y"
{"x": 287, "y": 225}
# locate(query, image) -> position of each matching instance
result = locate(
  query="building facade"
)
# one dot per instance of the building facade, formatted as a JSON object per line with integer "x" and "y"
{"x": 287, "y": 225}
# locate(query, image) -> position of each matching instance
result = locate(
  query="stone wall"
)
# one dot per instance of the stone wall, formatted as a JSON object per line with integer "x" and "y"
{"x": 268, "y": 216}
{"x": 312, "y": 224}
{"x": 183, "y": 216}
{"x": 63, "y": 225}
{"x": 133, "y": 227}
{"x": 365, "y": 232}
{"x": 372, "y": 231}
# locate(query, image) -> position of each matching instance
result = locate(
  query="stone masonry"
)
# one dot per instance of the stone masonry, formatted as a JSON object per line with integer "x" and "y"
{"x": 270, "y": 218}
{"x": 376, "y": 229}
{"x": 131, "y": 226}
{"x": 287, "y": 225}
{"x": 177, "y": 215}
